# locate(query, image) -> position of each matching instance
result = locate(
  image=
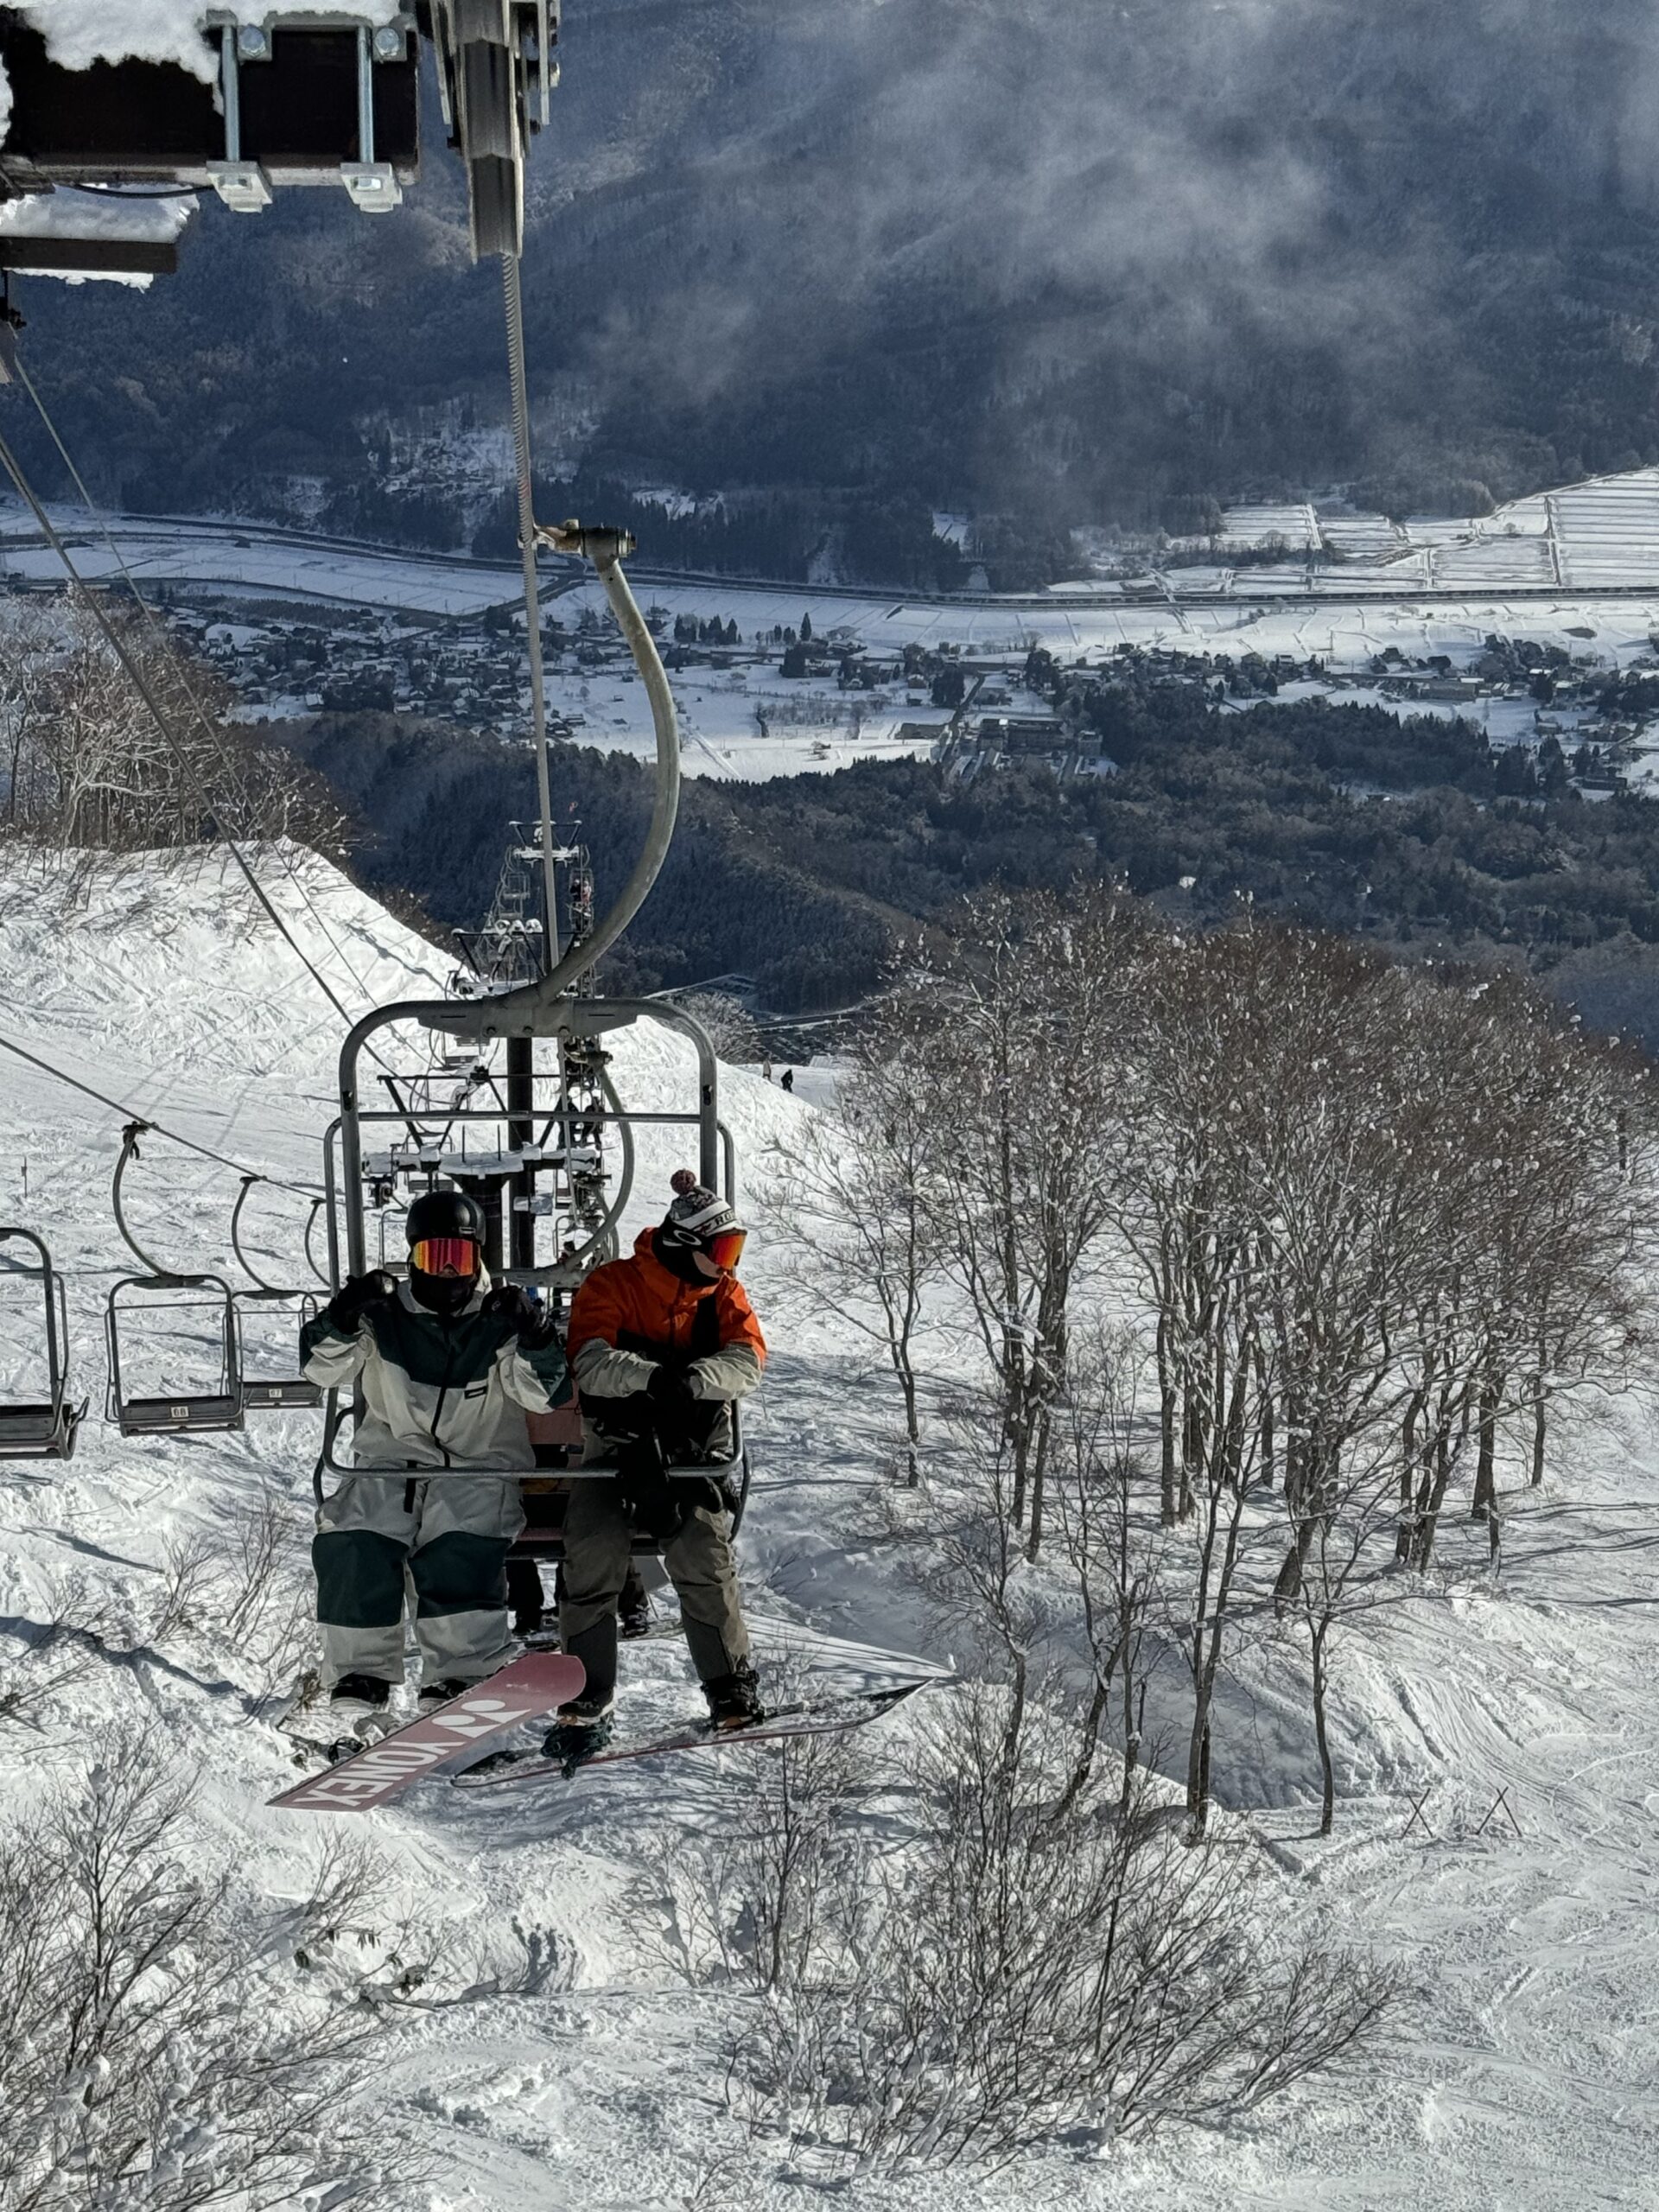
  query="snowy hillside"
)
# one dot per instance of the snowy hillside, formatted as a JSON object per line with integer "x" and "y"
{"x": 1519, "y": 2073}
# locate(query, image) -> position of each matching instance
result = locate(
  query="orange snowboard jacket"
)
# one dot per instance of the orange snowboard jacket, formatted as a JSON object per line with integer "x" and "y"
{"x": 629, "y": 1308}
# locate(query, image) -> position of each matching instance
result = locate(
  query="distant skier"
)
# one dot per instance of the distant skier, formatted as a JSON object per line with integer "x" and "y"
{"x": 787, "y": 1081}
{"x": 661, "y": 1345}
{"x": 448, "y": 1368}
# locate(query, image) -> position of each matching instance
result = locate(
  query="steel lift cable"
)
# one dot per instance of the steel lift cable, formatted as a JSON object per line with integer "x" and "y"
{"x": 13, "y": 469}
{"x": 158, "y": 630}
{"x": 127, "y": 1113}
{"x": 518, "y": 381}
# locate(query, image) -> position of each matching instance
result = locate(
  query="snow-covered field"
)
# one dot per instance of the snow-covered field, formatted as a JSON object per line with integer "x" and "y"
{"x": 1603, "y": 532}
{"x": 1521, "y": 2076}
{"x": 1563, "y": 549}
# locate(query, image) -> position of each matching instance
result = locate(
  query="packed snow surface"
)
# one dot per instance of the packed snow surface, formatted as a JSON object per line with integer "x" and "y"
{"x": 1521, "y": 2076}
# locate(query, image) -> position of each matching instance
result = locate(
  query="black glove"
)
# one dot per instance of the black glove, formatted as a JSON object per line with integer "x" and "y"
{"x": 659, "y": 1504}
{"x": 670, "y": 1392}
{"x": 531, "y": 1323}
{"x": 642, "y": 1477}
{"x": 356, "y": 1294}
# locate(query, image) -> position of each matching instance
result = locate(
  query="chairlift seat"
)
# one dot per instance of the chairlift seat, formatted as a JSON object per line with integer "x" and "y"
{"x": 40, "y": 1431}
{"x": 180, "y": 1413}
{"x": 268, "y": 1393}
{"x": 542, "y": 1534}
{"x": 179, "y": 1416}
{"x": 291, "y": 1390}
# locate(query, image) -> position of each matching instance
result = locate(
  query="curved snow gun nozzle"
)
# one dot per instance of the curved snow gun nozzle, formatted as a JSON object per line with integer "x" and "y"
{"x": 600, "y": 542}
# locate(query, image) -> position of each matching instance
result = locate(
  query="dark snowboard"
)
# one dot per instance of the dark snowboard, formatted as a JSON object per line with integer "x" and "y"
{"x": 822, "y": 1716}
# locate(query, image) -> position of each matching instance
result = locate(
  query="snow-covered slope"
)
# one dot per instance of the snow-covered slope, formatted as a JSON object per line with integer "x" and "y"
{"x": 1522, "y": 2073}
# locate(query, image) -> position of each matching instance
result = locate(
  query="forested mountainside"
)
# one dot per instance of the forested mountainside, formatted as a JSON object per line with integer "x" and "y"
{"x": 1339, "y": 817}
{"x": 823, "y": 261}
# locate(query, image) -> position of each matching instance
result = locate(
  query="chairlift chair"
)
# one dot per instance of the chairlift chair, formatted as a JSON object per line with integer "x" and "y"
{"x": 266, "y": 1394}
{"x": 188, "y": 1412}
{"x": 557, "y": 1006}
{"x": 32, "y": 1429}
{"x": 352, "y": 1180}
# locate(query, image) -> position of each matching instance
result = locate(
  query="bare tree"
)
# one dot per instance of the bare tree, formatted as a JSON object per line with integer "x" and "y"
{"x": 864, "y": 1242}
{"x": 1105, "y": 1509}
{"x": 1032, "y": 1091}
{"x": 88, "y": 766}
{"x": 144, "y": 2056}
{"x": 1027, "y": 1960}
{"x": 728, "y": 1022}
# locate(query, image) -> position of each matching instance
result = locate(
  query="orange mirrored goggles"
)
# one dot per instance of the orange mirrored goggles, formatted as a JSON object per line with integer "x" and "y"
{"x": 726, "y": 1248}
{"x": 445, "y": 1255}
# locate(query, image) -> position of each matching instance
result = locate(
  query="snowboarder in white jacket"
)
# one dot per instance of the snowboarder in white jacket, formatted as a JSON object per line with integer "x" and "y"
{"x": 447, "y": 1366}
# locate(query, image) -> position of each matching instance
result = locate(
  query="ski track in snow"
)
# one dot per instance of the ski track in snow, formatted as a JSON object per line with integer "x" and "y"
{"x": 1521, "y": 2076}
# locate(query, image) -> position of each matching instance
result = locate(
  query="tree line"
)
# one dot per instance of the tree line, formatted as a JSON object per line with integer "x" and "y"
{"x": 1263, "y": 1259}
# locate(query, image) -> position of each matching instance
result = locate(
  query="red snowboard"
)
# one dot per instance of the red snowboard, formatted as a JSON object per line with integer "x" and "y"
{"x": 530, "y": 1689}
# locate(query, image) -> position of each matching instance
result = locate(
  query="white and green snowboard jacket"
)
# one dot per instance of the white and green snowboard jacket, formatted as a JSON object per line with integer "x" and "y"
{"x": 437, "y": 1392}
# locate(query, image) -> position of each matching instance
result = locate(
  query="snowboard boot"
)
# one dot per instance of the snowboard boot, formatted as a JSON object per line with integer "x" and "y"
{"x": 358, "y": 1697}
{"x": 735, "y": 1699}
{"x": 360, "y": 1713}
{"x": 634, "y": 1618}
{"x": 433, "y": 1695}
{"x": 582, "y": 1727}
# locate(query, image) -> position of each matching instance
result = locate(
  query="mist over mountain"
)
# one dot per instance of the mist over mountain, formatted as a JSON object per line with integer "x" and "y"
{"x": 1062, "y": 261}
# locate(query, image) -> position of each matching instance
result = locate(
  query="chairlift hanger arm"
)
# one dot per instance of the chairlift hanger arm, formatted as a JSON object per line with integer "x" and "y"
{"x": 261, "y": 1288}
{"x": 317, "y": 1205}
{"x": 27, "y": 1236}
{"x": 130, "y": 1137}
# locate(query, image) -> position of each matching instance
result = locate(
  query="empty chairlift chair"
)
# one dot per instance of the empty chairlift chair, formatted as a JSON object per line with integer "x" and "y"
{"x": 266, "y": 1393}
{"x": 207, "y": 1401}
{"x": 41, "y": 1428}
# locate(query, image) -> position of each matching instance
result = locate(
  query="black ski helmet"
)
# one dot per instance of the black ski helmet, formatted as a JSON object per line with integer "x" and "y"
{"x": 444, "y": 1213}
{"x": 438, "y": 1214}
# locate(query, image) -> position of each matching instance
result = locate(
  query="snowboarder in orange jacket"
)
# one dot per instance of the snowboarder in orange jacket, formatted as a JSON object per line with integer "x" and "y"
{"x": 661, "y": 1345}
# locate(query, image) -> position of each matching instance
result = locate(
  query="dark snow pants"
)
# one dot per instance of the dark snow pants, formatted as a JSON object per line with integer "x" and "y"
{"x": 437, "y": 1543}
{"x": 598, "y": 1545}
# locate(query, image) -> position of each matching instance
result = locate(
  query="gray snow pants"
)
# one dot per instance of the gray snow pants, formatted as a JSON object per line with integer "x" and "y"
{"x": 598, "y": 1535}
{"x": 437, "y": 1542}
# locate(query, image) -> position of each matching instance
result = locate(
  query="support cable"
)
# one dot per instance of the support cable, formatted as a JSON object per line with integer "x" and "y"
{"x": 519, "y": 381}
{"x": 182, "y": 669}
{"x": 129, "y": 1114}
